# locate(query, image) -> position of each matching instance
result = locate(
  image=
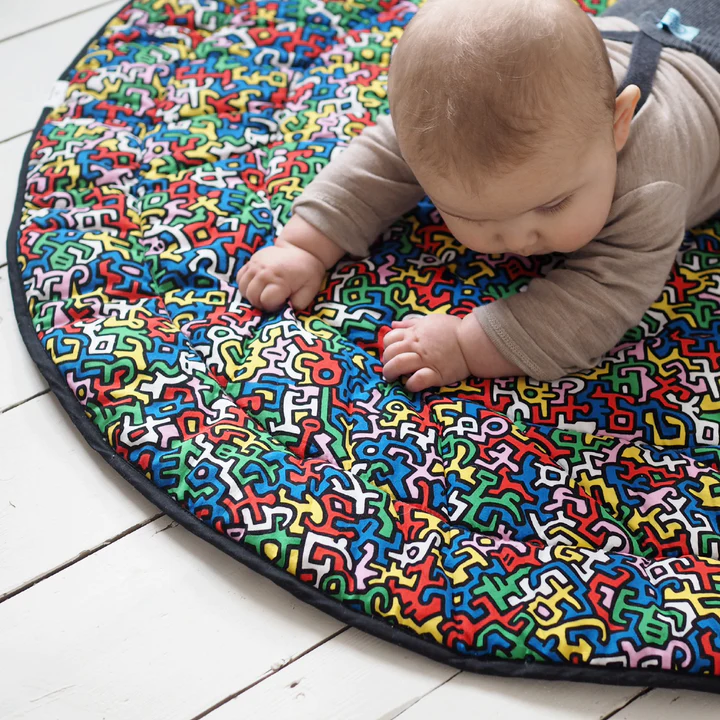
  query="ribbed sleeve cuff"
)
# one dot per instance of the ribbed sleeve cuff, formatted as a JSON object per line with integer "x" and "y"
{"x": 514, "y": 344}
{"x": 354, "y": 235}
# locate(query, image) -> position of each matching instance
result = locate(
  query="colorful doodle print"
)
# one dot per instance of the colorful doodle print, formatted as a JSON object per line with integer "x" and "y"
{"x": 573, "y": 522}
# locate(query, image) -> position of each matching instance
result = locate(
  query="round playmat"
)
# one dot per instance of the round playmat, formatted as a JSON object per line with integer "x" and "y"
{"x": 562, "y": 530}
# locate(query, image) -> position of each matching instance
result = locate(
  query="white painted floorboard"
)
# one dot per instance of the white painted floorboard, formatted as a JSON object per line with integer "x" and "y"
{"x": 58, "y": 498}
{"x": 159, "y": 624}
{"x": 36, "y": 59}
{"x": 492, "y": 698}
{"x": 15, "y": 17}
{"x": 353, "y": 676}
{"x": 11, "y": 155}
{"x": 672, "y": 705}
{"x": 19, "y": 378}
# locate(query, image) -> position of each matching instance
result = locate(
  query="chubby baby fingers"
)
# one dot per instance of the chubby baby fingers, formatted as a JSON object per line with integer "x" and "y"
{"x": 398, "y": 341}
{"x": 422, "y": 379}
{"x": 273, "y": 296}
{"x": 393, "y": 337}
{"x": 255, "y": 291}
{"x": 245, "y": 274}
{"x": 305, "y": 295}
{"x": 402, "y": 364}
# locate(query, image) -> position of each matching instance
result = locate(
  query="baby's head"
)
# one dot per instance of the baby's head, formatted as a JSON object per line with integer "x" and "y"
{"x": 506, "y": 112}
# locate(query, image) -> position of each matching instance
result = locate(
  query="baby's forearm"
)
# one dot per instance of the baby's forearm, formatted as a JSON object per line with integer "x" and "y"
{"x": 301, "y": 234}
{"x": 362, "y": 190}
{"x": 325, "y": 250}
{"x": 483, "y": 359}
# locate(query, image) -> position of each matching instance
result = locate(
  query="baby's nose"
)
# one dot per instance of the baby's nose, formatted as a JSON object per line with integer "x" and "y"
{"x": 521, "y": 243}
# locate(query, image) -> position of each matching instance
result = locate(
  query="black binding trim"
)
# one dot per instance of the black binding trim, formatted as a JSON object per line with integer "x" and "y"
{"x": 306, "y": 593}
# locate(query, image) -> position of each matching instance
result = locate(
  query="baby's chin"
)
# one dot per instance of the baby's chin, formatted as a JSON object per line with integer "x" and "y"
{"x": 564, "y": 248}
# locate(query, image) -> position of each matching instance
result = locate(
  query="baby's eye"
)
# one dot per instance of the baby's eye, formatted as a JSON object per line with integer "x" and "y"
{"x": 556, "y": 208}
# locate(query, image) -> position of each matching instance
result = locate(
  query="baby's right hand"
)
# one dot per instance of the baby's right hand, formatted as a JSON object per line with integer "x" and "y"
{"x": 281, "y": 271}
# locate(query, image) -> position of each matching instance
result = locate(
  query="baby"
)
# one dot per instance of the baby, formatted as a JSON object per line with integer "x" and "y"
{"x": 505, "y": 113}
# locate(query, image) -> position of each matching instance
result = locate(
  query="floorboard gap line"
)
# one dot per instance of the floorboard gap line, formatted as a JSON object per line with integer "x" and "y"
{"x": 53, "y": 22}
{"x": 77, "y": 558}
{"x": 424, "y": 695}
{"x": 16, "y": 136}
{"x": 22, "y": 402}
{"x": 644, "y": 691}
{"x": 269, "y": 673}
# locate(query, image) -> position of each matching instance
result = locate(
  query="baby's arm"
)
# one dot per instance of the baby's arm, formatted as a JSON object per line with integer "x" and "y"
{"x": 293, "y": 268}
{"x": 439, "y": 349}
{"x": 568, "y": 319}
{"x": 563, "y": 322}
{"x": 362, "y": 191}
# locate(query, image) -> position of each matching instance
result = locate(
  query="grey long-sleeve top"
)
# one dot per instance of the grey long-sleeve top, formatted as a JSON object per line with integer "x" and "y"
{"x": 668, "y": 179}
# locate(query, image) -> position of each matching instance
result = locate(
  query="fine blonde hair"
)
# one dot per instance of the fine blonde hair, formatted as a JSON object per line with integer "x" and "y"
{"x": 481, "y": 86}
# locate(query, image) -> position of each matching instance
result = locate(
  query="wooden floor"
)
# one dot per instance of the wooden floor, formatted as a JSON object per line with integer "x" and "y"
{"x": 109, "y": 610}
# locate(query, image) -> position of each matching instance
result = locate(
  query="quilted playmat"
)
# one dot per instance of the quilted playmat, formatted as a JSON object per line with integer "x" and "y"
{"x": 561, "y": 530}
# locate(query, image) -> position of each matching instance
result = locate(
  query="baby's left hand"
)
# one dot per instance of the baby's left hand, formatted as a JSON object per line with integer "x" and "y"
{"x": 427, "y": 349}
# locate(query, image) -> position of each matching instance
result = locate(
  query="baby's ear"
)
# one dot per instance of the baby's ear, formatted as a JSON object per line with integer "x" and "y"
{"x": 625, "y": 104}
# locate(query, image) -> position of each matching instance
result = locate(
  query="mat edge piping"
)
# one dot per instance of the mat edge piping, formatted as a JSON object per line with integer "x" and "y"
{"x": 382, "y": 629}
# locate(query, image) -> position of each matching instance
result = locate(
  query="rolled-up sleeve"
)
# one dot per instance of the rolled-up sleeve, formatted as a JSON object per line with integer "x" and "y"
{"x": 568, "y": 319}
{"x": 362, "y": 190}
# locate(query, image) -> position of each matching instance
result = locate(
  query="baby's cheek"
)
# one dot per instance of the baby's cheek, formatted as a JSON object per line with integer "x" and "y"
{"x": 595, "y": 214}
{"x": 579, "y": 230}
{"x": 467, "y": 236}
{"x": 594, "y": 223}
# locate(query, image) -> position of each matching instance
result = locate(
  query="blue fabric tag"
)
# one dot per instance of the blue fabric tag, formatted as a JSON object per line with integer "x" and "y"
{"x": 671, "y": 22}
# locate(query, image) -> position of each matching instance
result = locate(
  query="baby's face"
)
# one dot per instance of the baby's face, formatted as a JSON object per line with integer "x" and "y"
{"x": 557, "y": 204}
